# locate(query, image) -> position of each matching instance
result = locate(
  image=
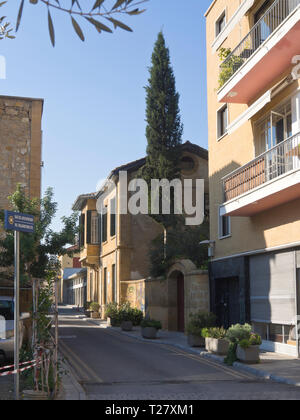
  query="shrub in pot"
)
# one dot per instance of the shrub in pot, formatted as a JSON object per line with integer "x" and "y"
{"x": 236, "y": 334}
{"x": 197, "y": 322}
{"x": 150, "y": 328}
{"x": 215, "y": 340}
{"x": 112, "y": 314}
{"x": 248, "y": 350}
{"x": 95, "y": 307}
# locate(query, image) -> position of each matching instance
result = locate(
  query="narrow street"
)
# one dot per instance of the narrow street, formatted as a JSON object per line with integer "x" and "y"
{"x": 111, "y": 366}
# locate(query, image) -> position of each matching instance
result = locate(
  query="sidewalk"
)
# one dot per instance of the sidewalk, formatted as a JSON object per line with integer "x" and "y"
{"x": 275, "y": 367}
{"x": 6, "y": 388}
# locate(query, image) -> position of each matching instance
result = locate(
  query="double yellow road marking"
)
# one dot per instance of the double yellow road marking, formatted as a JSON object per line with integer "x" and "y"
{"x": 85, "y": 372}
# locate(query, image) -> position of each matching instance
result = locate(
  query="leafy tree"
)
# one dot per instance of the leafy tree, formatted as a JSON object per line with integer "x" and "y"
{"x": 39, "y": 250}
{"x": 96, "y": 12}
{"x": 164, "y": 128}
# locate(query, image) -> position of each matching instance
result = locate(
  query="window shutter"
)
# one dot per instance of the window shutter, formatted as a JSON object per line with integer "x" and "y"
{"x": 89, "y": 226}
{"x": 82, "y": 230}
{"x": 113, "y": 217}
{"x": 99, "y": 227}
{"x": 104, "y": 227}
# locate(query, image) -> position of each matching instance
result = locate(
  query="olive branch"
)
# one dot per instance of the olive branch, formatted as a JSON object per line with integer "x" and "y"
{"x": 96, "y": 15}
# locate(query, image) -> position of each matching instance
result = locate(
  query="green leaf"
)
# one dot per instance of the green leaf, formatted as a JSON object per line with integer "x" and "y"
{"x": 51, "y": 29}
{"x": 77, "y": 29}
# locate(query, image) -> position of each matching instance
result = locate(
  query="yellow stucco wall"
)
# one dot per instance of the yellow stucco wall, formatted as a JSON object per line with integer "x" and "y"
{"x": 272, "y": 228}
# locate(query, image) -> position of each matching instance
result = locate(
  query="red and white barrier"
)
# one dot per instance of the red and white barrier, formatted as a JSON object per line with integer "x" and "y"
{"x": 32, "y": 364}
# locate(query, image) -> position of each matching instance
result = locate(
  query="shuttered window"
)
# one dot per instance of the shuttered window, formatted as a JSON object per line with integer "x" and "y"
{"x": 113, "y": 217}
{"x": 272, "y": 288}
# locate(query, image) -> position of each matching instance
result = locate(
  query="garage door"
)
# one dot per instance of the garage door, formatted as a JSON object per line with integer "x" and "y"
{"x": 272, "y": 288}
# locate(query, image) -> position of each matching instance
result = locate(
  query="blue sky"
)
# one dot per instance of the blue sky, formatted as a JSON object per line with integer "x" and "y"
{"x": 94, "y": 113}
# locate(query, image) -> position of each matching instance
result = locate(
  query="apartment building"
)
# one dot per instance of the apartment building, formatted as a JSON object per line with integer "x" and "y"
{"x": 254, "y": 143}
{"x": 115, "y": 244}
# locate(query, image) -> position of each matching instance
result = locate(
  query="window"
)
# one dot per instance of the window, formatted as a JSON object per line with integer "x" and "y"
{"x": 113, "y": 217}
{"x": 82, "y": 230}
{"x": 94, "y": 228}
{"x": 105, "y": 286}
{"x": 274, "y": 129}
{"x": 224, "y": 226}
{"x": 187, "y": 163}
{"x": 222, "y": 121}
{"x": 221, "y": 23}
{"x": 104, "y": 226}
{"x": 7, "y": 310}
{"x": 114, "y": 284}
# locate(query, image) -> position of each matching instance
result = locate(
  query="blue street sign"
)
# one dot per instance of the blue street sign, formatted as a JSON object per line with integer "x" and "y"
{"x": 19, "y": 222}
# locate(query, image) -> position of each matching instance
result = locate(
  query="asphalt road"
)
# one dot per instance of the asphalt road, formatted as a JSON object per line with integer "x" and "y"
{"x": 111, "y": 366}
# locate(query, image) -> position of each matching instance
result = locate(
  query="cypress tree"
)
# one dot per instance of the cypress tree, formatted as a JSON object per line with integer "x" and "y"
{"x": 164, "y": 128}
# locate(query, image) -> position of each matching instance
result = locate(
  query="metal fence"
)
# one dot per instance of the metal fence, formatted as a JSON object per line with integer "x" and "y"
{"x": 260, "y": 32}
{"x": 270, "y": 165}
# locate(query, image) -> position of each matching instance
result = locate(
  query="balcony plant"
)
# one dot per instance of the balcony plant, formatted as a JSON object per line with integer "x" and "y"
{"x": 228, "y": 66}
{"x": 248, "y": 350}
{"x": 215, "y": 340}
{"x": 197, "y": 323}
{"x": 150, "y": 328}
{"x": 95, "y": 308}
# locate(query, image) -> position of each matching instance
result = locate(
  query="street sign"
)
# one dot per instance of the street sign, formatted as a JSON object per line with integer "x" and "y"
{"x": 19, "y": 222}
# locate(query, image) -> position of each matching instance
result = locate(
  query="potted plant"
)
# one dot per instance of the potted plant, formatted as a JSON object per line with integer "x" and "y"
{"x": 95, "y": 307}
{"x": 215, "y": 340}
{"x": 236, "y": 334}
{"x": 150, "y": 328}
{"x": 112, "y": 314}
{"x": 87, "y": 310}
{"x": 130, "y": 317}
{"x": 248, "y": 349}
{"x": 197, "y": 322}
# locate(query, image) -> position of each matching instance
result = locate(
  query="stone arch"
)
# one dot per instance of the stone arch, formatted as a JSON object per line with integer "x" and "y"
{"x": 177, "y": 294}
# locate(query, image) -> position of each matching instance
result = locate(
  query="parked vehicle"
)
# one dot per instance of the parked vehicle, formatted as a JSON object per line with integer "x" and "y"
{"x": 7, "y": 327}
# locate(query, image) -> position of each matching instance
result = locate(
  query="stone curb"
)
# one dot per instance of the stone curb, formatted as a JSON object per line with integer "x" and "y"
{"x": 219, "y": 359}
{"x": 72, "y": 390}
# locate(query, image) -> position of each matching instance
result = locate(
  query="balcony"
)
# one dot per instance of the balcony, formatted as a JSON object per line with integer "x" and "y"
{"x": 270, "y": 180}
{"x": 263, "y": 55}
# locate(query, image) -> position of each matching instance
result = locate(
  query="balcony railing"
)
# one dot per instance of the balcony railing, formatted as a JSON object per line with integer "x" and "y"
{"x": 267, "y": 24}
{"x": 283, "y": 158}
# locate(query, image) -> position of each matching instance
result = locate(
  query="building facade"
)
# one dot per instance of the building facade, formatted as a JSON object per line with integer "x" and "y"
{"x": 70, "y": 265}
{"x": 254, "y": 169}
{"x": 115, "y": 246}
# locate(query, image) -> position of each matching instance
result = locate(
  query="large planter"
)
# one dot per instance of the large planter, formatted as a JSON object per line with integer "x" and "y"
{"x": 196, "y": 341}
{"x": 32, "y": 395}
{"x": 126, "y": 326}
{"x": 111, "y": 322}
{"x": 149, "y": 333}
{"x": 95, "y": 315}
{"x": 249, "y": 356}
{"x": 217, "y": 346}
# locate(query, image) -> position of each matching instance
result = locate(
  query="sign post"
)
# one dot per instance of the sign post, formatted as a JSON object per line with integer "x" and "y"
{"x": 17, "y": 222}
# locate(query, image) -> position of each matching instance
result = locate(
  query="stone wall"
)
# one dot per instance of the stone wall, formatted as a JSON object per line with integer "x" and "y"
{"x": 161, "y": 294}
{"x": 134, "y": 293}
{"x": 20, "y": 140}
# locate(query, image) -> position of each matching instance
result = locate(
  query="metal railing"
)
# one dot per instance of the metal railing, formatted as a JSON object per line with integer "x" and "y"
{"x": 260, "y": 32}
{"x": 283, "y": 158}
